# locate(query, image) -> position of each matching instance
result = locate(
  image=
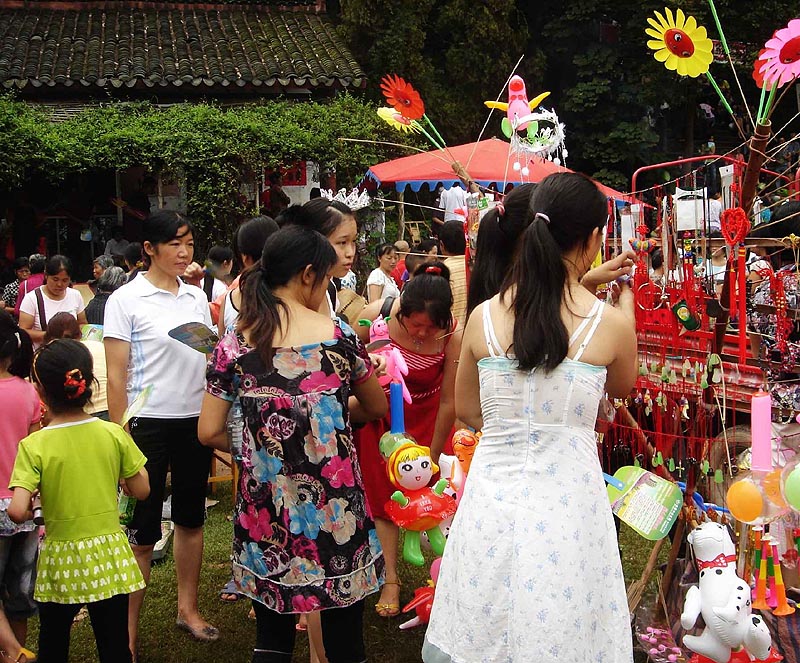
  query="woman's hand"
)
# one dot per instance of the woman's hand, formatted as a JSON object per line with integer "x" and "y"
{"x": 194, "y": 274}
{"x": 609, "y": 271}
{"x": 379, "y": 364}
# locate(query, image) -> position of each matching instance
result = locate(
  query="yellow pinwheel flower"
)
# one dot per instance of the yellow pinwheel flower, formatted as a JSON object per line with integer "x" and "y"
{"x": 397, "y": 121}
{"x": 680, "y": 43}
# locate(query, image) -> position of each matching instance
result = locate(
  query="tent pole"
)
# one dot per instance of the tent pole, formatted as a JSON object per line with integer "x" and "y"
{"x": 401, "y": 216}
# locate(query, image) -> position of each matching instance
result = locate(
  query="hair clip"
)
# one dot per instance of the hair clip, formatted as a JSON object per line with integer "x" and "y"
{"x": 542, "y": 216}
{"x": 501, "y": 210}
{"x": 19, "y": 340}
{"x": 74, "y": 380}
{"x": 434, "y": 269}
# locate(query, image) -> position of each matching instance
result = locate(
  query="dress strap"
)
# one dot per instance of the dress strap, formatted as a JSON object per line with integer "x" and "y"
{"x": 592, "y": 330}
{"x": 492, "y": 344}
{"x": 579, "y": 329}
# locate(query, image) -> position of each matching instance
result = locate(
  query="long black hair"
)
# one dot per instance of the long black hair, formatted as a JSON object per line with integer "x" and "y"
{"x": 63, "y": 370}
{"x": 319, "y": 214}
{"x": 286, "y": 254}
{"x": 251, "y": 236}
{"x": 565, "y": 209}
{"x": 15, "y": 344}
{"x": 429, "y": 292}
{"x": 497, "y": 244}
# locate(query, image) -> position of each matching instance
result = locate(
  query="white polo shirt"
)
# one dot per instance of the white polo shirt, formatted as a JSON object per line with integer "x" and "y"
{"x": 143, "y": 315}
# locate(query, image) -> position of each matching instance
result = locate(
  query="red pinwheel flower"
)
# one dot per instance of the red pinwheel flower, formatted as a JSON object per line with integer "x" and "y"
{"x": 402, "y": 97}
{"x": 758, "y": 77}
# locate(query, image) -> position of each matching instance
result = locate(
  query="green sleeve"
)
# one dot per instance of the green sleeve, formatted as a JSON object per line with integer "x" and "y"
{"x": 28, "y": 466}
{"x": 131, "y": 458}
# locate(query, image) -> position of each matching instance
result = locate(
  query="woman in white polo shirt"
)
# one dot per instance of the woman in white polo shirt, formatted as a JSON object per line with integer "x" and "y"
{"x": 140, "y": 353}
{"x": 54, "y": 296}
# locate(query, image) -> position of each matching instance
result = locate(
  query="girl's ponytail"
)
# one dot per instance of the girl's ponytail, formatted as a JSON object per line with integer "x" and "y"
{"x": 259, "y": 313}
{"x": 15, "y": 344}
{"x": 565, "y": 209}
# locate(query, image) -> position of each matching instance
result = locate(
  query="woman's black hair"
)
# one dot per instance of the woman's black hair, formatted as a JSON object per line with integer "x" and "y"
{"x": 426, "y": 245}
{"x": 429, "y": 292}
{"x": 251, "y": 236}
{"x": 63, "y": 370}
{"x": 286, "y": 254}
{"x": 565, "y": 209}
{"x": 656, "y": 259}
{"x": 15, "y": 344}
{"x": 165, "y": 225}
{"x": 57, "y": 264}
{"x": 219, "y": 254}
{"x": 132, "y": 255}
{"x": 21, "y": 262}
{"x": 384, "y": 249}
{"x": 319, "y": 214}
{"x": 497, "y": 244}
{"x": 451, "y": 238}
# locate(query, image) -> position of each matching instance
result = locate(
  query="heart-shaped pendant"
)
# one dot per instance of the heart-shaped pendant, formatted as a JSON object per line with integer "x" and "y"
{"x": 734, "y": 225}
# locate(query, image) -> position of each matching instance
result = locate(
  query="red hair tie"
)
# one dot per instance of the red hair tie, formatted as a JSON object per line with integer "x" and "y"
{"x": 433, "y": 269}
{"x": 74, "y": 380}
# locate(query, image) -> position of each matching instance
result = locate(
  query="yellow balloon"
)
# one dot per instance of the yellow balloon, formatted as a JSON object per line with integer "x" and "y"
{"x": 744, "y": 501}
{"x": 772, "y": 488}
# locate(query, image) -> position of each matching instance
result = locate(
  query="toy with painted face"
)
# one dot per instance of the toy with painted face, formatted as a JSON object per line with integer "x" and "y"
{"x": 415, "y": 506}
{"x": 380, "y": 344}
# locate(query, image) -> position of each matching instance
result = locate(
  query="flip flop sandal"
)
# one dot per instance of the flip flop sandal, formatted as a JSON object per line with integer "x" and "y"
{"x": 228, "y": 591}
{"x": 388, "y": 610}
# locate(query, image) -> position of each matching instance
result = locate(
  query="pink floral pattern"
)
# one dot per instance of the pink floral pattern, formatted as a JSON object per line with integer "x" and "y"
{"x": 303, "y": 537}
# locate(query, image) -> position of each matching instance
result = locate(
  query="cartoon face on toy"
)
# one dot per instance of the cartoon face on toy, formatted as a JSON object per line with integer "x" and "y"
{"x": 679, "y": 43}
{"x": 415, "y": 473}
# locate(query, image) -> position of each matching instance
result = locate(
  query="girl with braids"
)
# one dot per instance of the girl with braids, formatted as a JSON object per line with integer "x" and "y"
{"x": 76, "y": 463}
{"x": 19, "y": 414}
{"x": 423, "y": 330}
{"x": 303, "y": 537}
{"x": 535, "y": 361}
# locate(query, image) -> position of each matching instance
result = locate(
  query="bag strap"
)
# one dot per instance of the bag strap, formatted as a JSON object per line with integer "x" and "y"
{"x": 40, "y": 304}
{"x": 208, "y": 286}
{"x": 386, "y": 307}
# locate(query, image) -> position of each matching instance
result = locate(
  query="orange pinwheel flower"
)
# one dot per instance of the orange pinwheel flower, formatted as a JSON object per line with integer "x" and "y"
{"x": 402, "y": 97}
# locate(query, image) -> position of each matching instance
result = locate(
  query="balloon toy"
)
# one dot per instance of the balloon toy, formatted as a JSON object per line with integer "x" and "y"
{"x": 790, "y": 483}
{"x": 518, "y": 106}
{"x": 415, "y": 506}
{"x": 397, "y": 436}
{"x": 464, "y": 443}
{"x": 450, "y": 469}
{"x": 380, "y": 344}
{"x": 422, "y": 603}
{"x": 722, "y": 598}
{"x": 756, "y": 497}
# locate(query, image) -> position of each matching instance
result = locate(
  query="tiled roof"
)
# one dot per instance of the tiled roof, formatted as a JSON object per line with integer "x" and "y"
{"x": 149, "y": 45}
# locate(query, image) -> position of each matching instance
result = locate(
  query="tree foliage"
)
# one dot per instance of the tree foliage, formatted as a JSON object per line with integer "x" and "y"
{"x": 215, "y": 149}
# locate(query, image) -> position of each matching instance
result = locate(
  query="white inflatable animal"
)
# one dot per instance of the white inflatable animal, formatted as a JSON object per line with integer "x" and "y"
{"x": 723, "y": 599}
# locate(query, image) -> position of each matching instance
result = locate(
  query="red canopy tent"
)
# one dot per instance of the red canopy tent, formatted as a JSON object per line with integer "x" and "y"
{"x": 488, "y": 161}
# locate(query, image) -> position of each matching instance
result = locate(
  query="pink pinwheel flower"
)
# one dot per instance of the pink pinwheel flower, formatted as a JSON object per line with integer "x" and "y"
{"x": 781, "y": 55}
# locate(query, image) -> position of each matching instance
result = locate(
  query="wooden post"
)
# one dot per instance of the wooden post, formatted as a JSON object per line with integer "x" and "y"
{"x": 118, "y": 185}
{"x": 160, "y": 184}
{"x": 758, "y": 146}
{"x": 401, "y": 216}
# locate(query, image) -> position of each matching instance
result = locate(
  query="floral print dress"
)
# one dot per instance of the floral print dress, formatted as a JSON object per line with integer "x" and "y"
{"x": 304, "y": 539}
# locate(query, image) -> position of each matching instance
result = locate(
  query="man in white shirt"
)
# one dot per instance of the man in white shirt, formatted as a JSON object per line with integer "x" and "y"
{"x": 116, "y": 246}
{"x": 714, "y": 211}
{"x": 452, "y": 199}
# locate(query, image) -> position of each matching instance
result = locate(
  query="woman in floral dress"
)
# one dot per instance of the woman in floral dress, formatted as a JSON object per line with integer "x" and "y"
{"x": 304, "y": 539}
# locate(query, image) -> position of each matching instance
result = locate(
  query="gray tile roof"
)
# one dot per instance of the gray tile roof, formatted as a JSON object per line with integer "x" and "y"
{"x": 203, "y": 46}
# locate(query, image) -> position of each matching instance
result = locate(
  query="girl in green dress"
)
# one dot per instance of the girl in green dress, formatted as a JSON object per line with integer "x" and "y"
{"x": 76, "y": 463}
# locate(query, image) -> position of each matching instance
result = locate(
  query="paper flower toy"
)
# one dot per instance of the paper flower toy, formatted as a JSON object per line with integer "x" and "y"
{"x": 780, "y": 59}
{"x": 681, "y": 44}
{"x": 396, "y": 120}
{"x": 758, "y": 77}
{"x": 402, "y": 97}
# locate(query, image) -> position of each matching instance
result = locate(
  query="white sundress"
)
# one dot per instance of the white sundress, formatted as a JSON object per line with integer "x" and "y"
{"x": 531, "y": 571}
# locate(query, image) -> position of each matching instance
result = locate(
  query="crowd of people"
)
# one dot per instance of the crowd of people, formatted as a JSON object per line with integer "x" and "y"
{"x": 524, "y": 354}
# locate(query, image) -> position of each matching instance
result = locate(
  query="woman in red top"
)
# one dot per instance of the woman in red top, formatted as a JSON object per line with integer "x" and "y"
{"x": 423, "y": 330}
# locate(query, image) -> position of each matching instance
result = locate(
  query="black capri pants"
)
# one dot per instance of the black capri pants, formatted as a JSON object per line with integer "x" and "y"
{"x": 170, "y": 444}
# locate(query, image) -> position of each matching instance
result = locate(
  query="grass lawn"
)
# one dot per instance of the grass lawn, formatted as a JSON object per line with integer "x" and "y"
{"x": 161, "y": 642}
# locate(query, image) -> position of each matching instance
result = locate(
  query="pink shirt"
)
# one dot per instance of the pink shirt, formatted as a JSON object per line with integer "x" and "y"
{"x": 19, "y": 408}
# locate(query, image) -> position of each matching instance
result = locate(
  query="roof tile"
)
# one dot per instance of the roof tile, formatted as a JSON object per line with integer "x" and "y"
{"x": 209, "y": 45}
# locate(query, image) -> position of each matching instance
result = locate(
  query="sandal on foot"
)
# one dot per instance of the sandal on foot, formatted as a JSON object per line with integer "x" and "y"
{"x": 207, "y": 633}
{"x": 25, "y": 656}
{"x": 228, "y": 593}
{"x": 387, "y": 610}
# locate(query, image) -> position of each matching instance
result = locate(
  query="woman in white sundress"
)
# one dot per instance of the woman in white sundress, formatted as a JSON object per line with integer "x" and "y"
{"x": 532, "y": 569}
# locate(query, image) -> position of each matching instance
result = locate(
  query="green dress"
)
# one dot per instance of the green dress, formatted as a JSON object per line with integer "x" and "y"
{"x": 85, "y": 556}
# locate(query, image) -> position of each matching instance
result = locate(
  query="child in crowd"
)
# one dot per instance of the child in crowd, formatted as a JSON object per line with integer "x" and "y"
{"x": 19, "y": 413}
{"x": 299, "y": 376}
{"x": 76, "y": 464}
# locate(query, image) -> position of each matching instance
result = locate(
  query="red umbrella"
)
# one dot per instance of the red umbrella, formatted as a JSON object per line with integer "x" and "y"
{"x": 488, "y": 161}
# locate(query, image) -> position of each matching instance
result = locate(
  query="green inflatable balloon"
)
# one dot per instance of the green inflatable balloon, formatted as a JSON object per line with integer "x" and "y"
{"x": 791, "y": 488}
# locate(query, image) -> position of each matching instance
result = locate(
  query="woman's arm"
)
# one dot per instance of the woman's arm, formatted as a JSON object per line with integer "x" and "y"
{"x": 26, "y": 321}
{"x": 212, "y": 427}
{"x": 623, "y": 370}
{"x": 467, "y": 387}
{"x": 374, "y": 292}
{"x": 117, "y": 357}
{"x": 368, "y": 401}
{"x": 221, "y": 318}
{"x": 370, "y": 312}
{"x": 82, "y": 318}
{"x": 446, "y": 415}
